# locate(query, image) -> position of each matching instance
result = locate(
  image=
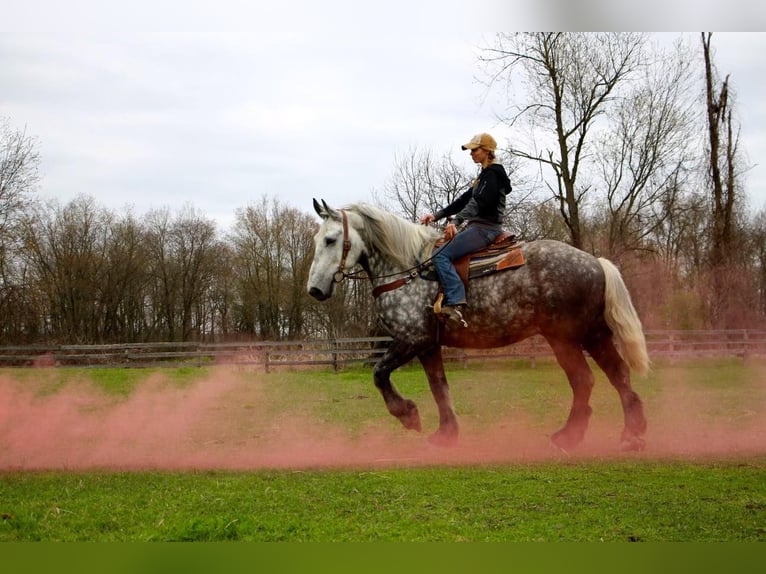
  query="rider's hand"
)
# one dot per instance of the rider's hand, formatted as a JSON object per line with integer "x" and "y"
{"x": 426, "y": 219}
{"x": 450, "y": 231}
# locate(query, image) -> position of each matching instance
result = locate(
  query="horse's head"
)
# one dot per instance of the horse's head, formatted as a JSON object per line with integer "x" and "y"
{"x": 337, "y": 248}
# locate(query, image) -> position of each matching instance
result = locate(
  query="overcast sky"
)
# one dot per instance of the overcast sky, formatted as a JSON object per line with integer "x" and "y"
{"x": 216, "y": 104}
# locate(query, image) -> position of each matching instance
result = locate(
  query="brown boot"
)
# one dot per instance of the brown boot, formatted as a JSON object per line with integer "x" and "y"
{"x": 454, "y": 313}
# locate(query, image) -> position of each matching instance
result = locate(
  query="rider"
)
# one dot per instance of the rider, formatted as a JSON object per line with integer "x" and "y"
{"x": 480, "y": 208}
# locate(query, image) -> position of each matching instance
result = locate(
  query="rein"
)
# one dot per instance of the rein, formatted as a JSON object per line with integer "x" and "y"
{"x": 340, "y": 274}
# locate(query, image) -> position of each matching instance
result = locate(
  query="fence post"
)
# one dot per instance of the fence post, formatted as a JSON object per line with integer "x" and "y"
{"x": 334, "y": 343}
{"x": 745, "y": 346}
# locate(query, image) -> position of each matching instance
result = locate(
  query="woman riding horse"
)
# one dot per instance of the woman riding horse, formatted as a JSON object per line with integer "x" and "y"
{"x": 481, "y": 208}
{"x": 577, "y": 302}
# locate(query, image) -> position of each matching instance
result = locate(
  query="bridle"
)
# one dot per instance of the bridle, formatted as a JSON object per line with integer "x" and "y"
{"x": 404, "y": 277}
{"x": 339, "y": 275}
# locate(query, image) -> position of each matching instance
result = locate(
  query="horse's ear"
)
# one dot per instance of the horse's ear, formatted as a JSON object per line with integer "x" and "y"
{"x": 324, "y": 211}
{"x": 321, "y": 211}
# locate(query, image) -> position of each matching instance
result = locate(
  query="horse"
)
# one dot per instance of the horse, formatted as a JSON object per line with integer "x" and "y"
{"x": 576, "y": 301}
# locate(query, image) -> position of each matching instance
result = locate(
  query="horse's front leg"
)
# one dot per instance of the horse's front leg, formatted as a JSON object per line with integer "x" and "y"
{"x": 404, "y": 409}
{"x": 432, "y": 362}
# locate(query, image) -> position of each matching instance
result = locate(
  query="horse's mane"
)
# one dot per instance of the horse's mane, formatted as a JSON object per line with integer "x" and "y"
{"x": 397, "y": 239}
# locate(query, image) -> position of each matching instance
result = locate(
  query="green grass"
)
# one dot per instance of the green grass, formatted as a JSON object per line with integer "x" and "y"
{"x": 694, "y": 499}
{"x": 110, "y": 381}
{"x": 626, "y": 501}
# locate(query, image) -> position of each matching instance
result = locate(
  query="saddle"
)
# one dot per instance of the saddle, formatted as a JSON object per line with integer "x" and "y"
{"x": 502, "y": 254}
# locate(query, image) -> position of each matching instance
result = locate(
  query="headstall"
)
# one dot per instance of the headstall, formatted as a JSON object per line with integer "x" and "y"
{"x": 340, "y": 274}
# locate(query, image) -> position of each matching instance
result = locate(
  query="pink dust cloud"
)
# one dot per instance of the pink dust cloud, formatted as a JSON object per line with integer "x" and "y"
{"x": 223, "y": 423}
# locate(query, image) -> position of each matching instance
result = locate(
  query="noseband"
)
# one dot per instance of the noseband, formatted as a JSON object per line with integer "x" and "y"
{"x": 340, "y": 274}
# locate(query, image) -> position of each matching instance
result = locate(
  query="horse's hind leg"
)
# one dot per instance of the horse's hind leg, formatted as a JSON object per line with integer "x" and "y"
{"x": 609, "y": 360}
{"x": 572, "y": 360}
{"x": 433, "y": 365}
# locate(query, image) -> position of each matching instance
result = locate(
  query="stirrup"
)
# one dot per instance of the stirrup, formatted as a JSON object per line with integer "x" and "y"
{"x": 453, "y": 314}
{"x": 447, "y": 312}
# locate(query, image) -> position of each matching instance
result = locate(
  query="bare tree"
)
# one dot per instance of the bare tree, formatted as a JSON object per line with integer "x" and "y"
{"x": 421, "y": 184}
{"x": 529, "y": 219}
{"x": 125, "y": 281}
{"x": 272, "y": 248}
{"x": 194, "y": 247}
{"x": 644, "y": 159}
{"x": 163, "y": 289}
{"x": 723, "y": 156}
{"x": 571, "y": 79}
{"x": 676, "y": 239}
{"x": 258, "y": 267}
{"x": 221, "y": 294}
{"x": 183, "y": 253}
{"x": 299, "y": 231}
{"x": 727, "y": 258}
{"x": 19, "y": 161}
{"x": 758, "y": 238}
{"x": 66, "y": 249}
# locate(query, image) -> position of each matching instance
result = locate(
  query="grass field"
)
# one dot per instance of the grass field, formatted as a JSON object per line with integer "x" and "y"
{"x": 594, "y": 501}
{"x": 221, "y": 454}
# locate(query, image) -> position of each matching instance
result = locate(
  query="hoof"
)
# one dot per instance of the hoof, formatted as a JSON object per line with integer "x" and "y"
{"x": 564, "y": 441}
{"x": 410, "y": 419}
{"x": 443, "y": 439}
{"x": 632, "y": 444}
{"x": 557, "y": 448}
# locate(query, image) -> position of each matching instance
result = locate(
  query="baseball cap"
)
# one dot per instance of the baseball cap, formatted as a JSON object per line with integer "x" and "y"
{"x": 481, "y": 140}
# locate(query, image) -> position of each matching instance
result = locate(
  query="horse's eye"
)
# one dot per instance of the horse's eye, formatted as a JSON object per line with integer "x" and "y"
{"x": 328, "y": 241}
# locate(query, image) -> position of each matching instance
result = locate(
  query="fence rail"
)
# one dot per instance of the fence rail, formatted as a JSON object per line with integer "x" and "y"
{"x": 339, "y": 352}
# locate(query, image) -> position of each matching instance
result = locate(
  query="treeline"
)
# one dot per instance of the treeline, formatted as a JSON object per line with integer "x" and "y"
{"x": 79, "y": 273}
{"x": 619, "y": 148}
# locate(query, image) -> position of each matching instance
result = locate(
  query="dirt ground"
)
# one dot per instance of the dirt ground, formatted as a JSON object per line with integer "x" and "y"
{"x": 218, "y": 424}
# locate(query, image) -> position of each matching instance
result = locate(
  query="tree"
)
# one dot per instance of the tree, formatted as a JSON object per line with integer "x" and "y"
{"x": 183, "y": 255}
{"x": 422, "y": 184}
{"x": 125, "y": 281}
{"x": 256, "y": 256}
{"x": 644, "y": 157}
{"x": 221, "y": 295}
{"x": 758, "y": 238}
{"x": 728, "y": 260}
{"x": 195, "y": 248}
{"x": 723, "y": 153}
{"x": 19, "y": 162}
{"x": 299, "y": 233}
{"x": 164, "y": 281}
{"x": 570, "y": 80}
{"x": 66, "y": 250}
{"x": 272, "y": 252}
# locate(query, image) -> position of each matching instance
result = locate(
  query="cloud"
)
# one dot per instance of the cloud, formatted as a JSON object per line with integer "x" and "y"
{"x": 157, "y": 104}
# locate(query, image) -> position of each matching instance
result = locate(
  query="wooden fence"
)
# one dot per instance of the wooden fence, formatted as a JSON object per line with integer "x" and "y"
{"x": 336, "y": 353}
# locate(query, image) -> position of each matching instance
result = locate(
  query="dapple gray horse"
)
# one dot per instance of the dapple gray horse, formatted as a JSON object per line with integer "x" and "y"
{"x": 574, "y": 300}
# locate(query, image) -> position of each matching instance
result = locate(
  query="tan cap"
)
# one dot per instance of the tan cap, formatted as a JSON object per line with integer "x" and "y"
{"x": 481, "y": 140}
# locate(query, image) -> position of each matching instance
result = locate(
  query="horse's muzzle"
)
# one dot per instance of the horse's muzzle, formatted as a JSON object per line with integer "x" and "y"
{"x": 318, "y": 294}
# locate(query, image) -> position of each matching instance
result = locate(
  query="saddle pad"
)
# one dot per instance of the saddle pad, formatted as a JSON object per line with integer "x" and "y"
{"x": 483, "y": 263}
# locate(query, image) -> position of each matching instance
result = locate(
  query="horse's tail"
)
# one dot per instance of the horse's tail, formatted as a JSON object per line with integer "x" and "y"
{"x": 622, "y": 319}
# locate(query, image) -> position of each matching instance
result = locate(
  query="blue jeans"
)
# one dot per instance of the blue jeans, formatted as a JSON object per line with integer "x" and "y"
{"x": 471, "y": 239}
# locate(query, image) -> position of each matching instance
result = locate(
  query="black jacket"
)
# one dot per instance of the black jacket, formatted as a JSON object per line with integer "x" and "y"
{"x": 484, "y": 202}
